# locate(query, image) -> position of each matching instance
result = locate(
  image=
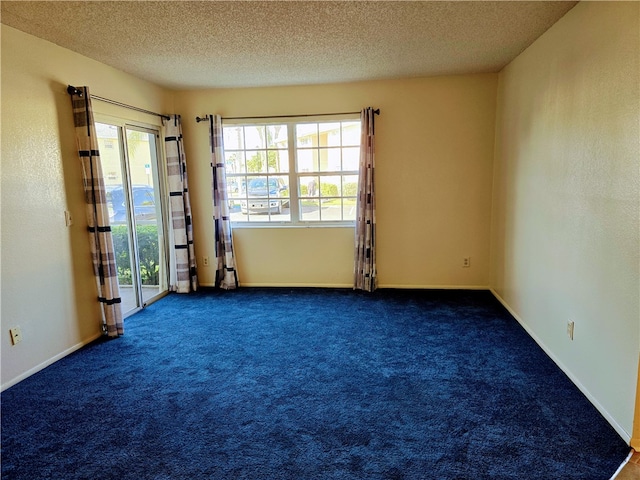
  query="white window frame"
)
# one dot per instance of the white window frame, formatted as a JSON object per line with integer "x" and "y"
{"x": 293, "y": 175}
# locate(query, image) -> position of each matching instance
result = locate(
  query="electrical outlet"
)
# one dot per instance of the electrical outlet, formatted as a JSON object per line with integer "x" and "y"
{"x": 466, "y": 262}
{"x": 16, "y": 335}
{"x": 205, "y": 261}
{"x": 570, "y": 328}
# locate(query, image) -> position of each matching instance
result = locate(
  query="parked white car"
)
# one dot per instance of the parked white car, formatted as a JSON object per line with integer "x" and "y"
{"x": 263, "y": 196}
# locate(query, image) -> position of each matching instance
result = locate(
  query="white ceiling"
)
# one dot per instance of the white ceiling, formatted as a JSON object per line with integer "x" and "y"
{"x": 186, "y": 45}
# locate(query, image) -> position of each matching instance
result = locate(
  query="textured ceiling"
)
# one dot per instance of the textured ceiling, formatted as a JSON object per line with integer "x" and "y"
{"x": 185, "y": 45}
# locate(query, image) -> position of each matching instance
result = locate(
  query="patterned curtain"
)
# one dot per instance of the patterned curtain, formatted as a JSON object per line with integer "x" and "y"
{"x": 226, "y": 274}
{"x": 182, "y": 271}
{"x": 104, "y": 263}
{"x": 365, "y": 245}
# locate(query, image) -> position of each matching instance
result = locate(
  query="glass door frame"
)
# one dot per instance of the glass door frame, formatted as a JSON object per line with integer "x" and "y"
{"x": 159, "y": 190}
{"x": 160, "y": 186}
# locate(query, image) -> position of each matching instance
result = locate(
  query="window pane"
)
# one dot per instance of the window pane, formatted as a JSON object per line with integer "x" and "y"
{"x": 331, "y": 210}
{"x": 351, "y": 158}
{"x": 279, "y": 186}
{"x": 278, "y": 161}
{"x": 330, "y": 186}
{"x": 349, "y": 208}
{"x": 307, "y": 135}
{"x": 307, "y": 161}
{"x": 234, "y": 162}
{"x": 254, "y": 137}
{"x": 277, "y": 136}
{"x": 308, "y": 186}
{"x": 235, "y": 187}
{"x": 330, "y": 160}
{"x": 329, "y": 134}
{"x": 257, "y": 217}
{"x": 235, "y": 212}
{"x": 256, "y": 161}
{"x": 309, "y": 210}
{"x": 351, "y": 133}
{"x": 350, "y": 185}
{"x": 257, "y": 186}
{"x": 233, "y": 138}
{"x": 284, "y": 216}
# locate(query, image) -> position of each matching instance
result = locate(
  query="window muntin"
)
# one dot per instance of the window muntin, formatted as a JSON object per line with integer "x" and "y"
{"x": 292, "y": 172}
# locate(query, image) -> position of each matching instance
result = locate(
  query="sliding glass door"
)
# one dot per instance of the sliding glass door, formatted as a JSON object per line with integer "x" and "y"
{"x": 129, "y": 157}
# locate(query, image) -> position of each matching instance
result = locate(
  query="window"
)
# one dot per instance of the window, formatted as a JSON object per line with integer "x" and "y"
{"x": 297, "y": 172}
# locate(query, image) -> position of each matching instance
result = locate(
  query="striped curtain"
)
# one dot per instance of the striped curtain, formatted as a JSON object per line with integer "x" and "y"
{"x": 365, "y": 245}
{"x": 226, "y": 274}
{"x": 182, "y": 271}
{"x": 104, "y": 263}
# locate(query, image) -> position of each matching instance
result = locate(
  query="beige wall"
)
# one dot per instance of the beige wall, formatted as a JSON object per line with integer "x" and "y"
{"x": 47, "y": 286}
{"x": 565, "y": 241}
{"x": 434, "y": 142}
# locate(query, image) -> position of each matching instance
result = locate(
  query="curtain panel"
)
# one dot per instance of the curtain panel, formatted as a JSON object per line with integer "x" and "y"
{"x": 365, "y": 275}
{"x": 226, "y": 274}
{"x": 101, "y": 241}
{"x": 182, "y": 271}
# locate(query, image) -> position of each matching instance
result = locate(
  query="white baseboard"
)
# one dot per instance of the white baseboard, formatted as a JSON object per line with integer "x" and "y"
{"x": 435, "y": 287}
{"x": 626, "y": 436}
{"x": 350, "y": 285}
{"x": 50, "y": 361}
{"x": 298, "y": 285}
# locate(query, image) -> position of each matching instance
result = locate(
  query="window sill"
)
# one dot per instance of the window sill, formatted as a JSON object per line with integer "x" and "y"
{"x": 273, "y": 225}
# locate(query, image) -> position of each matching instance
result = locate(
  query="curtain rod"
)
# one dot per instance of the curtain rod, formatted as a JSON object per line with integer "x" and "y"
{"x": 206, "y": 117}
{"x": 71, "y": 90}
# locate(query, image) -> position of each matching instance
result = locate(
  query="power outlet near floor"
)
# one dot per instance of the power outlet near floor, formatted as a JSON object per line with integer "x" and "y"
{"x": 570, "y": 328}
{"x": 16, "y": 335}
{"x": 205, "y": 261}
{"x": 466, "y": 262}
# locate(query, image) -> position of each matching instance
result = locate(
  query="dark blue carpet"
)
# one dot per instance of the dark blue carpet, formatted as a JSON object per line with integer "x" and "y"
{"x": 308, "y": 384}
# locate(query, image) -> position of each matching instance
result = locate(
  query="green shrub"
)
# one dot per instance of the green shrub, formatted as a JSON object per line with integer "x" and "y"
{"x": 121, "y": 249}
{"x": 148, "y": 253}
{"x": 328, "y": 190}
{"x": 350, "y": 189}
